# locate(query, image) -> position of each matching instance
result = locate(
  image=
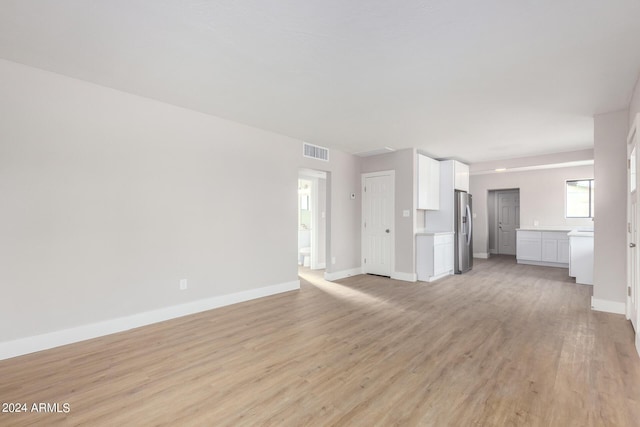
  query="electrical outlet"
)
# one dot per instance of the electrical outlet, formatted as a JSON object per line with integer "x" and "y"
{"x": 183, "y": 284}
{"x": 406, "y": 213}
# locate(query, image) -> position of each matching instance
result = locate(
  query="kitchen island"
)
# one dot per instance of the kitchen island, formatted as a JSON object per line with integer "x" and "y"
{"x": 581, "y": 262}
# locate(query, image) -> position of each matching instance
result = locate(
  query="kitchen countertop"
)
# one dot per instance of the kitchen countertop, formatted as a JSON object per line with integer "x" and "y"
{"x": 547, "y": 228}
{"x": 432, "y": 233}
{"x": 577, "y": 233}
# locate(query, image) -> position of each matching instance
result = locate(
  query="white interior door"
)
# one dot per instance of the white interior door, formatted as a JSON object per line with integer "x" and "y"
{"x": 377, "y": 223}
{"x": 508, "y": 221}
{"x": 633, "y": 263}
{"x": 632, "y": 228}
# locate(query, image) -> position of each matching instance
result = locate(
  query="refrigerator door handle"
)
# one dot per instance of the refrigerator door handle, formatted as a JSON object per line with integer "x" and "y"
{"x": 469, "y": 224}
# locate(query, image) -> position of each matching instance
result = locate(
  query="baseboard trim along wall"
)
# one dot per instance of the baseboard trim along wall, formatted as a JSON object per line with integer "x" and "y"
{"x": 32, "y": 344}
{"x": 407, "y": 277}
{"x": 483, "y": 255}
{"x": 337, "y": 275}
{"x": 608, "y": 306}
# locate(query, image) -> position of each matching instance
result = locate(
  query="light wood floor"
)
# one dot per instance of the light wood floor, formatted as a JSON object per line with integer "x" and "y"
{"x": 505, "y": 344}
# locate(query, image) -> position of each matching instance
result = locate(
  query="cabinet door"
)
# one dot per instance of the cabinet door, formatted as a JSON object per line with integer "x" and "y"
{"x": 461, "y": 176}
{"x": 433, "y": 199}
{"x": 439, "y": 259}
{"x": 549, "y": 250}
{"x": 428, "y": 183}
{"x": 449, "y": 254}
{"x": 529, "y": 249}
{"x": 564, "y": 253}
{"x": 424, "y": 257}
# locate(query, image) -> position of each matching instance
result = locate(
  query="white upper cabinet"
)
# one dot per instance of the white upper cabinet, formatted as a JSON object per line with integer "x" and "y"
{"x": 461, "y": 179}
{"x": 428, "y": 183}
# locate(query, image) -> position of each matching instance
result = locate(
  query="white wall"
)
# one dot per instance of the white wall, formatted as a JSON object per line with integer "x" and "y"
{"x": 634, "y": 106}
{"x": 610, "y": 237}
{"x": 542, "y": 195}
{"x": 109, "y": 199}
{"x": 404, "y": 163}
{"x": 491, "y": 220}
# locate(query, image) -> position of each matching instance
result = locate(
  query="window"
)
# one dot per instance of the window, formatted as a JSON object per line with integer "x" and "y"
{"x": 580, "y": 198}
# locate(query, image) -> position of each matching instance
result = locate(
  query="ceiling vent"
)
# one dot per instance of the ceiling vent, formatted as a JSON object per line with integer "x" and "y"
{"x": 315, "y": 152}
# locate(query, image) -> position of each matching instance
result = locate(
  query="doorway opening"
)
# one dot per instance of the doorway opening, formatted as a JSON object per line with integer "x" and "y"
{"x": 504, "y": 219}
{"x": 312, "y": 219}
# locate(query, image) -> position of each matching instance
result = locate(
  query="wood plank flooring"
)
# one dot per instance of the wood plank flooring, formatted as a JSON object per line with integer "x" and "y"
{"x": 504, "y": 344}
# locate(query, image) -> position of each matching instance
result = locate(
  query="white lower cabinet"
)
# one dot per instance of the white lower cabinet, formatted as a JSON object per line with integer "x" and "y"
{"x": 434, "y": 254}
{"x": 529, "y": 245}
{"x": 581, "y": 256}
{"x": 564, "y": 252}
{"x": 550, "y": 248}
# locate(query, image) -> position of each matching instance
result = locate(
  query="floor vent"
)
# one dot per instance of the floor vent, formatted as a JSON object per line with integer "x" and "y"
{"x": 315, "y": 152}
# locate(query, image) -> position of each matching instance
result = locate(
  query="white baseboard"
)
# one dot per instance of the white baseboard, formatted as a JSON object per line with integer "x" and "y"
{"x": 337, "y": 275}
{"x": 321, "y": 266}
{"x": 440, "y": 276}
{"x": 638, "y": 343}
{"x": 608, "y": 306}
{"x": 483, "y": 255}
{"x": 407, "y": 277}
{"x": 544, "y": 264}
{"x": 46, "y": 341}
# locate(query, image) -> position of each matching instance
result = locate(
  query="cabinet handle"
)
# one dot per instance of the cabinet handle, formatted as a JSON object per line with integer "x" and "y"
{"x": 632, "y": 245}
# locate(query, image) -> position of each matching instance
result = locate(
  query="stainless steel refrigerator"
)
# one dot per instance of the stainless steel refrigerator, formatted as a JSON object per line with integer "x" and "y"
{"x": 463, "y": 227}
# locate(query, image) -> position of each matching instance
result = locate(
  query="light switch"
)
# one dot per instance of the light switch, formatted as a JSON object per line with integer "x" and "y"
{"x": 406, "y": 213}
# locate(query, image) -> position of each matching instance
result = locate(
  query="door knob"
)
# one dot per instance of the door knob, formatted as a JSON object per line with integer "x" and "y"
{"x": 632, "y": 245}
{"x": 386, "y": 231}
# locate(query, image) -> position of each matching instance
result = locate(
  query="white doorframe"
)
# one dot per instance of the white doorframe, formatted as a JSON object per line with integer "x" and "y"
{"x": 314, "y": 176}
{"x": 313, "y": 204}
{"x": 633, "y": 279}
{"x": 492, "y": 226}
{"x": 392, "y": 234}
{"x": 498, "y": 214}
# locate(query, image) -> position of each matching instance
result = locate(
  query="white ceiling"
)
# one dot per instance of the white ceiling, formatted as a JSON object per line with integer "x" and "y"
{"x": 466, "y": 79}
